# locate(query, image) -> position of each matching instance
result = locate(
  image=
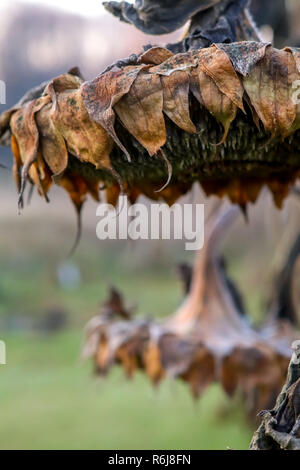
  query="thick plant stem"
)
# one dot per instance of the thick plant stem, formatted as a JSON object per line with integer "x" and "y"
{"x": 280, "y": 428}
{"x": 206, "y": 275}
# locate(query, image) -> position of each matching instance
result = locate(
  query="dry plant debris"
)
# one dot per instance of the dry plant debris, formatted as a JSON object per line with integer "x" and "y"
{"x": 280, "y": 427}
{"x": 223, "y": 115}
{"x": 208, "y": 339}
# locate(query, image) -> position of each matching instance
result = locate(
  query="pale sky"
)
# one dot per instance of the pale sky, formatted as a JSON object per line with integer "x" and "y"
{"x": 90, "y": 8}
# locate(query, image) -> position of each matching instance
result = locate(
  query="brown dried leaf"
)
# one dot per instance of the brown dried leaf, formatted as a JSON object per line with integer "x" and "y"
{"x": 218, "y": 104}
{"x": 40, "y": 176}
{"x": 17, "y": 162}
{"x": 102, "y": 94}
{"x": 185, "y": 61}
{"x": 155, "y": 56}
{"x": 270, "y": 87}
{"x": 114, "y": 306}
{"x": 242, "y": 192}
{"x": 64, "y": 82}
{"x": 112, "y": 194}
{"x": 279, "y": 189}
{"x": 217, "y": 65}
{"x": 85, "y": 139}
{"x": 239, "y": 191}
{"x": 5, "y": 119}
{"x": 102, "y": 357}
{"x": 176, "y": 100}
{"x": 128, "y": 359}
{"x": 248, "y": 368}
{"x": 152, "y": 361}
{"x": 76, "y": 187}
{"x": 93, "y": 187}
{"x": 244, "y": 55}
{"x": 68, "y": 123}
{"x": 141, "y": 112}
{"x": 52, "y": 144}
{"x": 296, "y": 54}
{"x": 133, "y": 194}
{"x": 25, "y": 131}
{"x": 201, "y": 373}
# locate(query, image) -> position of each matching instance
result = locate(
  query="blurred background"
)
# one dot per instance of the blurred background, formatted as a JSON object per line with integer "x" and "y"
{"x": 48, "y": 398}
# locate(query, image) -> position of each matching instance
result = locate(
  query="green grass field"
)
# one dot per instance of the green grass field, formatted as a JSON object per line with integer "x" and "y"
{"x": 49, "y": 400}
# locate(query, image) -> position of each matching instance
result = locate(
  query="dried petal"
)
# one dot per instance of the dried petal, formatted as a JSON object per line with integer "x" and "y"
{"x": 24, "y": 128}
{"x": 218, "y": 104}
{"x": 85, "y": 139}
{"x": 155, "y": 56}
{"x": 52, "y": 143}
{"x": 217, "y": 65}
{"x": 102, "y": 94}
{"x": 185, "y": 61}
{"x": 244, "y": 55}
{"x": 141, "y": 112}
{"x": 270, "y": 88}
{"x": 176, "y": 100}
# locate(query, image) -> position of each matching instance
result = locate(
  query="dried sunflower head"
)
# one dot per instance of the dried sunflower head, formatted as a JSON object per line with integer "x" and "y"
{"x": 209, "y": 339}
{"x": 225, "y": 116}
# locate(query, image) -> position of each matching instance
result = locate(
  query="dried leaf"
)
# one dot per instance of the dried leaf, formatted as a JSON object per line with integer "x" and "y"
{"x": 244, "y": 55}
{"x": 17, "y": 162}
{"x": 296, "y": 54}
{"x": 217, "y": 65}
{"x": 40, "y": 176}
{"x": 155, "y": 56}
{"x": 85, "y": 139}
{"x": 218, "y": 104}
{"x": 102, "y": 94}
{"x": 24, "y": 128}
{"x": 126, "y": 354}
{"x": 52, "y": 144}
{"x": 114, "y": 306}
{"x": 179, "y": 62}
{"x": 140, "y": 111}
{"x": 153, "y": 366}
{"x": 269, "y": 86}
{"x": 112, "y": 194}
{"x": 176, "y": 100}
{"x": 201, "y": 373}
{"x": 102, "y": 357}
